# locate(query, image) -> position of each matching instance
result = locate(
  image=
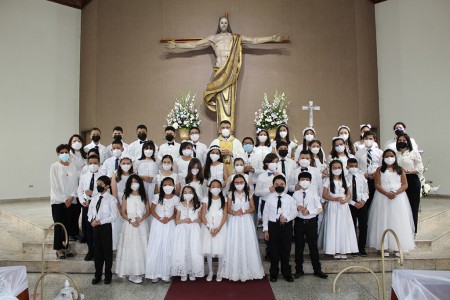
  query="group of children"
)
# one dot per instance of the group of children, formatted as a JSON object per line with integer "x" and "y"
{"x": 164, "y": 209}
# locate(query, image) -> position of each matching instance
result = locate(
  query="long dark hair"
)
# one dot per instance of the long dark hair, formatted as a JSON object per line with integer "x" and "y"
{"x": 218, "y": 25}
{"x": 222, "y": 197}
{"x": 334, "y": 153}
{"x": 305, "y": 143}
{"x": 267, "y": 142}
{"x": 320, "y": 153}
{"x": 189, "y": 177}
{"x": 148, "y": 144}
{"x": 278, "y": 137}
{"x": 207, "y": 169}
{"x": 233, "y": 188}
{"x": 348, "y": 142}
{"x": 395, "y": 166}
{"x": 82, "y": 152}
{"x": 408, "y": 141}
{"x": 169, "y": 157}
{"x": 341, "y": 177}
{"x": 119, "y": 172}
{"x": 127, "y": 192}
{"x": 161, "y": 190}
{"x": 195, "y": 200}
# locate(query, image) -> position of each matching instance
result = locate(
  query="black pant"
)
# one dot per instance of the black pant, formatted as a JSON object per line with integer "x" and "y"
{"x": 280, "y": 242}
{"x": 262, "y": 204}
{"x": 361, "y": 215}
{"x": 413, "y": 192}
{"x": 103, "y": 251}
{"x": 256, "y": 201}
{"x": 371, "y": 186}
{"x": 61, "y": 214}
{"x": 306, "y": 228}
{"x": 74, "y": 229}
{"x": 87, "y": 230}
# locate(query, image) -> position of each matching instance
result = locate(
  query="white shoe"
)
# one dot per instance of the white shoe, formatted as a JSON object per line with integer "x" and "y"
{"x": 209, "y": 277}
{"x": 183, "y": 278}
{"x": 343, "y": 256}
{"x": 397, "y": 254}
{"x": 218, "y": 278}
{"x": 135, "y": 279}
{"x": 191, "y": 277}
{"x": 167, "y": 280}
{"x": 155, "y": 280}
{"x": 386, "y": 254}
{"x": 337, "y": 256}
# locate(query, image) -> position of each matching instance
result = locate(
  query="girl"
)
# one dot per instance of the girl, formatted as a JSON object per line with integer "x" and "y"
{"x": 262, "y": 147}
{"x": 167, "y": 171}
{"x": 242, "y": 260}
{"x": 390, "y": 207}
{"x": 187, "y": 258}
{"x": 214, "y": 229}
{"x": 344, "y": 133}
{"x": 194, "y": 177}
{"x": 319, "y": 157}
{"x": 339, "y": 151}
{"x": 160, "y": 242}
{"x": 337, "y": 234}
{"x": 309, "y": 134}
{"x": 77, "y": 154}
{"x": 214, "y": 168}
{"x": 239, "y": 166}
{"x": 147, "y": 168}
{"x": 130, "y": 257}
{"x": 283, "y": 135}
{"x": 360, "y": 144}
{"x": 182, "y": 162}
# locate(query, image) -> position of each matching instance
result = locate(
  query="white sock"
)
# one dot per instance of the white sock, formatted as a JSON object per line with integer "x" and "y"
{"x": 209, "y": 259}
{"x": 219, "y": 269}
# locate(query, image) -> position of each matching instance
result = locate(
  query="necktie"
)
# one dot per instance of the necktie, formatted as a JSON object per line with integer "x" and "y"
{"x": 304, "y": 196}
{"x": 195, "y": 150}
{"x": 369, "y": 158}
{"x": 283, "y": 167}
{"x": 96, "y": 147}
{"x": 304, "y": 169}
{"x": 354, "y": 192}
{"x": 116, "y": 165}
{"x": 91, "y": 185}
{"x": 279, "y": 202}
{"x": 141, "y": 142}
{"x": 171, "y": 143}
{"x": 97, "y": 207}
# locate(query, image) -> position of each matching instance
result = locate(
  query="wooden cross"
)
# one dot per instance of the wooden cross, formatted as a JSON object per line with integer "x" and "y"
{"x": 311, "y": 108}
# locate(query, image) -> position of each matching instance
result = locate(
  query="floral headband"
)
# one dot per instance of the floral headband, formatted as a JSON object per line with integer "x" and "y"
{"x": 308, "y": 128}
{"x": 365, "y": 125}
{"x": 344, "y": 126}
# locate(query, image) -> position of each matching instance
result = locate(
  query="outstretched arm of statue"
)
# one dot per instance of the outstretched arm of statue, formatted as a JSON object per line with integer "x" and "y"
{"x": 201, "y": 44}
{"x": 260, "y": 40}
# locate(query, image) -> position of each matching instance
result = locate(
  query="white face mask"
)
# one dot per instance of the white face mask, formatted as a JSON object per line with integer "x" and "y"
{"x": 214, "y": 157}
{"x": 168, "y": 189}
{"x": 187, "y": 152}
{"x": 305, "y": 184}
{"x": 117, "y": 152}
{"x": 195, "y": 137}
{"x": 368, "y": 143}
{"x": 135, "y": 186}
{"x": 344, "y": 136}
{"x": 337, "y": 172}
{"x": 389, "y": 160}
{"x": 188, "y": 197}
{"x": 125, "y": 168}
{"x": 166, "y": 167}
{"x": 215, "y": 191}
{"x": 353, "y": 171}
{"x": 76, "y": 145}
{"x": 239, "y": 169}
{"x": 272, "y": 167}
{"x": 195, "y": 171}
{"x": 262, "y": 138}
{"x": 315, "y": 150}
{"x": 148, "y": 153}
{"x": 283, "y": 134}
{"x": 339, "y": 149}
{"x": 93, "y": 168}
{"x": 225, "y": 132}
{"x": 304, "y": 163}
{"x": 239, "y": 187}
{"x": 309, "y": 137}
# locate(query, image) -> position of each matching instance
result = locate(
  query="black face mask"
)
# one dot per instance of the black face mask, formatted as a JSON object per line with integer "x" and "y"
{"x": 401, "y": 145}
{"x": 100, "y": 189}
{"x": 117, "y": 137}
{"x": 96, "y": 138}
{"x": 169, "y": 137}
{"x": 283, "y": 153}
{"x": 279, "y": 189}
{"x": 142, "y": 136}
{"x": 399, "y": 131}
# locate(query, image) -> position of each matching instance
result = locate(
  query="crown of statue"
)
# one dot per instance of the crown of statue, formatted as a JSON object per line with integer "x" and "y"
{"x": 365, "y": 125}
{"x": 344, "y": 126}
{"x": 308, "y": 128}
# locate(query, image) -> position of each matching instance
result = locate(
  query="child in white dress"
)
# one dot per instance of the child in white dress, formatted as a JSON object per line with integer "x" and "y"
{"x": 195, "y": 178}
{"x": 187, "y": 258}
{"x": 147, "y": 168}
{"x": 242, "y": 260}
{"x": 214, "y": 167}
{"x": 162, "y": 230}
{"x": 239, "y": 166}
{"x": 132, "y": 248}
{"x": 214, "y": 229}
{"x": 167, "y": 171}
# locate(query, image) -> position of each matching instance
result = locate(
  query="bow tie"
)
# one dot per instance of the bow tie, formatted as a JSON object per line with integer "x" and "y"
{"x": 304, "y": 169}
{"x": 171, "y": 143}
{"x": 270, "y": 173}
{"x": 141, "y": 142}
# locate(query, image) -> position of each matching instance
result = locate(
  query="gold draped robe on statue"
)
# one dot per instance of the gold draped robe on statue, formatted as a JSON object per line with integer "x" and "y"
{"x": 220, "y": 94}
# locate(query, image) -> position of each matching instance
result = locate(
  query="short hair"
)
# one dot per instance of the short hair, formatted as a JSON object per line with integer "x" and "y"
{"x": 95, "y": 150}
{"x": 117, "y": 142}
{"x": 279, "y": 177}
{"x": 352, "y": 160}
{"x": 61, "y": 147}
{"x": 118, "y": 128}
{"x": 248, "y": 138}
{"x": 370, "y": 133}
{"x": 399, "y": 123}
{"x": 281, "y": 144}
{"x": 141, "y": 127}
{"x": 171, "y": 128}
{"x": 308, "y": 152}
{"x": 94, "y": 157}
{"x": 225, "y": 122}
{"x": 268, "y": 159}
{"x": 194, "y": 127}
{"x": 96, "y": 128}
{"x": 105, "y": 179}
{"x": 183, "y": 146}
{"x": 304, "y": 175}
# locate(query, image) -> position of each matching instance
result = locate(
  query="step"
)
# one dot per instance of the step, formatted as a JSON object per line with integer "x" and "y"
{"x": 434, "y": 236}
{"x": 19, "y": 222}
{"x": 432, "y": 217}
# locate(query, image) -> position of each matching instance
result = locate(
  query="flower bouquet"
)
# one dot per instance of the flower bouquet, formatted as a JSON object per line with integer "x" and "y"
{"x": 184, "y": 115}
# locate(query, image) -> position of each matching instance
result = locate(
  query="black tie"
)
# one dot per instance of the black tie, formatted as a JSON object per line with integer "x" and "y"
{"x": 141, "y": 142}
{"x": 304, "y": 169}
{"x": 97, "y": 207}
{"x": 355, "y": 196}
{"x": 283, "y": 167}
{"x": 304, "y": 196}
{"x": 171, "y": 143}
{"x": 279, "y": 202}
{"x": 116, "y": 164}
{"x": 91, "y": 185}
{"x": 369, "y": 158}
{"x": 195, "y": 150}
{"x": 96, "y": 147}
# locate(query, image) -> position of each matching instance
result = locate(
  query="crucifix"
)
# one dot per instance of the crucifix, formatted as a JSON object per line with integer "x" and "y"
{"x": 311, "y": 108}
{"x": 220, "y": 94}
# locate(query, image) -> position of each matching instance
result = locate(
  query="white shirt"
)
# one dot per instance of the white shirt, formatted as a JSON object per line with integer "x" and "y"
{"x": 361, "y": 157}
{"x": 263, "y": 183}
{"x": 238, "y": 151}
{"x": 84, "y": 185}
{"x": 109, "y": 165}
{"x": 200, "y": 151}
{"x": 101, "y": 150}
{"x": 172, "y": 150}
{"x": 358, "y": 145}
{"x": 392, "y": 144}
{"x": 107, "y": 211}
{"x": 262, "y": 151}
{"x": 272, "y": 213}
{"x": 410, "y": 160}
{"x": 311, "y": 202}
{"x": 182, "y": 166}
{"x": 256, "y": 162}
{"x": 316, "y": 179}
{"x": 362, "y": 190}
{"x": 63, "y": 183}
{"x": 289, "y": 165}
{"x": 77, "y": 161}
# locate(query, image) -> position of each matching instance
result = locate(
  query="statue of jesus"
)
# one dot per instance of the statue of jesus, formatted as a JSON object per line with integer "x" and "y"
{"x": 220, "y": 94}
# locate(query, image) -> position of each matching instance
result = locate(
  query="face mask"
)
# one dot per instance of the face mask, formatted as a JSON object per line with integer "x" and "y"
{"x": 337, "y": 172}
{"x": 100, "y": 189}
{"x": 214, "y": 157}
{"x": 76, "y": 145}
{"x": 304, "y": 163}
{"x": 353, "y": 171}
{"x": 195, "y": 137}
{"x": 344, "y": 136}
{"x": 125, "y": 168}
{"x": 169, "y": 137}
{"x": 389, "y": 160}
{"x": 117, "y": 137}
{"x": 248, "y": 148}
{"x": 239, "y": 169}
{"x": 135, "y": 186}
{"x": 239, "y": 187}
{"x": 168, "y": 189}
{"x": 279, "y": 189}
{"x": 96, "y": 138}
{"x": 142, "y": 136}
{"x": 188, "y": 197}
{"x": 225, "y": 132}
{"x": 399, "y": 131}
{"x": 93, "y": 168}
{"x": 315, "y": 150}
{"x": 117, "y": 152}
{"x": 148, "y": 153}
{"x": 64, "y": 157}
{"x": 368, "y": 143}
{"x": 166, "y": 167}
{"x": 283, "y": 153}
{"x": 309, "y": 137}
{"x": 402, "y": 145}
{"x": 283, "y": 134}
{"x": 272, "y": 167}
{"x": 305, "y": 184}
{"x": 187, "y": 152}
{"x": 339, "y": 149}
{"x": 262, "y": 138}
{"x": 215, "y": 191}
{"x": 195, "y": 171}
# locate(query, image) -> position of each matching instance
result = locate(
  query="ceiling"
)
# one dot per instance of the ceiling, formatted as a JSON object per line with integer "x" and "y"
{"x": 80, "y": 4}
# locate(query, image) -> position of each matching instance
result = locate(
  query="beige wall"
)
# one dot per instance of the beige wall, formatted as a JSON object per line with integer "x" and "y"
{"x": 128, "y": 78}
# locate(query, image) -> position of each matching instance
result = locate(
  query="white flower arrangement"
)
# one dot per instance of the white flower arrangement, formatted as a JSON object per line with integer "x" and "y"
{"x": 270, "y": 115}
{"x": 184, "y": 114}
{"x": 427, "y": 185}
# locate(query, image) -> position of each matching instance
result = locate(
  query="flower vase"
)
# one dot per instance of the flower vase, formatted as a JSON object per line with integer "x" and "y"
{"x": 272, "y": 133}
{"x": 183, "y": 133}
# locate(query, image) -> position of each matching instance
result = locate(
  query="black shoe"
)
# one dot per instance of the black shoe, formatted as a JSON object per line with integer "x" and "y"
{"x": 289, "y": 278}
{"x": 82, "y": 241}
{"x": 363, "y": 253}
{"x": 299, "y": 274}
{"x": 96, "y": 280}
{"x": 73, "y": 238}
{"x": 69, "y": 254}
{"x": 89, "y": 257}
{"x": 273, "y": 278}
{"x": 321, "y": 274}
{"x": 107, "y": 281}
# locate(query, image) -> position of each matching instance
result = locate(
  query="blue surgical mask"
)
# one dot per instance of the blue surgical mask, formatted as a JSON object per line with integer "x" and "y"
{"x": 248, "y": 148}
{"x": 64, "y": 157}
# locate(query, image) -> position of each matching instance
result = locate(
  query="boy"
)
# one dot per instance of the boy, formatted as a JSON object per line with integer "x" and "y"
{"x": 135, "y": 148}
{"x": 285, "y": 164}
{"x": 102, "y": 212}
{"x": 305, "y": 160}
{"x": 308, "y": 206}
{"x": 111, "y": 164}
{"x": 117, "y": 136}
{"x": 95, "y": 137}
{"x": 359, "y": 195}
{"x": 171, "y": 147}
{"x": 200, "y": 149}
{"x": 279, "y": 211}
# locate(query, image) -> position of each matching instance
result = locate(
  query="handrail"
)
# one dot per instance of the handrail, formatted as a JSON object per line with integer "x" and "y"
{"x": 41, "y": 278}
{"x": 358, "y": 267}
